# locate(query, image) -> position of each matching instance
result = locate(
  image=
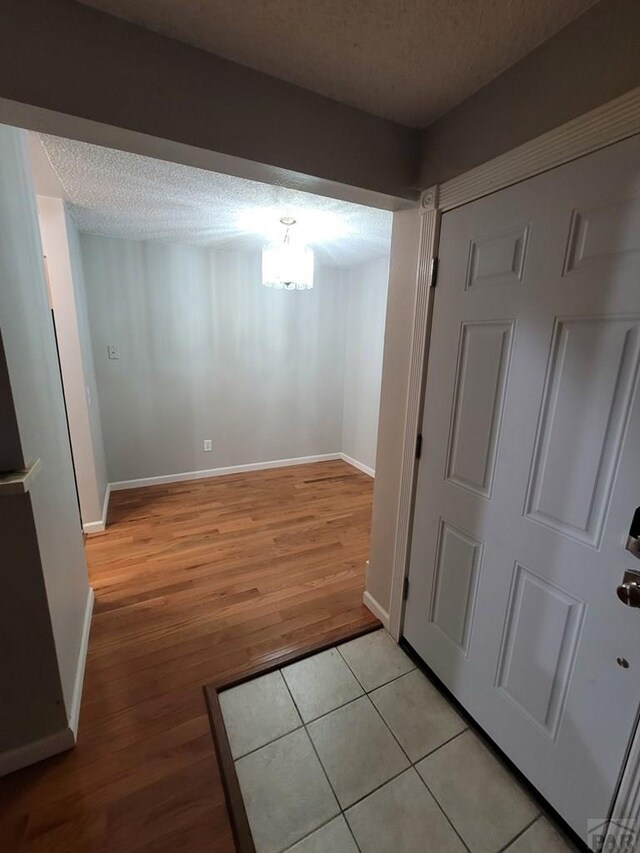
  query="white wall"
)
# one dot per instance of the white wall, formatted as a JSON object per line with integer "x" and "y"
{"x": 55, "y": 561}
{"x": 401, "y": 300}
{"x": 66, "y": 285}
{"x": 86, "y": 349}
{"x": 206, "y": 352}
{"x": 366, "y": 290}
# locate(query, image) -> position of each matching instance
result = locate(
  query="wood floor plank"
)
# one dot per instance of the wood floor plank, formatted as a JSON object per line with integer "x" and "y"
{"x": 194, "y": 582}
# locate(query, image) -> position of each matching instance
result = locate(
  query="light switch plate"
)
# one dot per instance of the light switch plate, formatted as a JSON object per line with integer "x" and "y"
{"x": 114, "y": 352}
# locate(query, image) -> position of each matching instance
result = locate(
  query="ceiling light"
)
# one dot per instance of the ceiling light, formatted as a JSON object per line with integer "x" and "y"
{"x": 286, "y": 264}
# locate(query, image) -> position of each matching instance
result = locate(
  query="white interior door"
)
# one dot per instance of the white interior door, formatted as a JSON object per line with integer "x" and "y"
{"x": 530, "y": 474}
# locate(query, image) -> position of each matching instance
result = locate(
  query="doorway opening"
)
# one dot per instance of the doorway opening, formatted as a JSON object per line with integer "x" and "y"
{"x": 177, "y": 363}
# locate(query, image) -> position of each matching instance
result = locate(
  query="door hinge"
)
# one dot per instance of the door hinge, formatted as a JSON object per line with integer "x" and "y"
{"x": 405, "y": 588}
{"x": 433, "y": 272}
{"x": 419, "y": 445}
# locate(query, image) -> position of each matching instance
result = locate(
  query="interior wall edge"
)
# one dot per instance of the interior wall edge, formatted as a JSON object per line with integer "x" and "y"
{"x": 76, "y": 701}
{"x": 359, "y": 465}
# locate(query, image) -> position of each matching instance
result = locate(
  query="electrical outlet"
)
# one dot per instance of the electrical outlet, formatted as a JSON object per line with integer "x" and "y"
{"x": 114, "y": 352}
{"x": 207, "y": 444}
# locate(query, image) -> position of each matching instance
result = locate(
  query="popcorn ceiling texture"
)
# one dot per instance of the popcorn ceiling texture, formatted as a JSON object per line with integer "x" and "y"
{"x": 118, "y": 194}
{"x": 406, "y": 60}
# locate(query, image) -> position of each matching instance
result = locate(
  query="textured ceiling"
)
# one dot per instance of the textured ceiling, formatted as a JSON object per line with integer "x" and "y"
{"x": 407, "y": 60}
{"x": 118, "y": 194}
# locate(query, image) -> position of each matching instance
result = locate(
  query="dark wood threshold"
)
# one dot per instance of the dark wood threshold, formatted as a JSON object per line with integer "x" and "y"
{"x": 233, "y": 795}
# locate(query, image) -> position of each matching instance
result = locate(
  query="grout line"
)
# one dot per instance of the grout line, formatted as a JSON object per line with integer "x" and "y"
{"x": 355, "y": 840}
{"x": 436, "y": 748}
{"x": 413, "y": 767}
{"x": 317, "y": 829}
{"x": 313, "y": 747}
{"x": 446, "y": 816}
{"x": 411, "y": 763}
{"x": 337, "y": 708}
{"x": 377, "y": 788}
{"x": 388, "y": 727}
{"x": 384, "y": 683}
{"x": 519, "y": 834}
{"x": 391, "y": 680}
{"x": 268, "y": 743}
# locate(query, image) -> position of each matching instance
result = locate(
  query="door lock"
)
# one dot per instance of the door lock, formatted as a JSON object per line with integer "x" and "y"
{"x": 629, "y": 590}
{"x": 633, "y": 539}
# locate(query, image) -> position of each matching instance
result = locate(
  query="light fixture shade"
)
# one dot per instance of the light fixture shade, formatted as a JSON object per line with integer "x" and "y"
{"x": 287, "y": 266}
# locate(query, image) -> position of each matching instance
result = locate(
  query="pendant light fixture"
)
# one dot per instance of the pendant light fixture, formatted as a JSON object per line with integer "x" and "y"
{"x": 287, "y": 265}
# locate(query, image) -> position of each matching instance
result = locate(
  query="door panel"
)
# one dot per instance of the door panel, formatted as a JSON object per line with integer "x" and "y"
{"x": 530, "y": 473}
{"x": 541, "y": 638}
{"x": 483, "y": 367}
{"x": 457, "y": 567}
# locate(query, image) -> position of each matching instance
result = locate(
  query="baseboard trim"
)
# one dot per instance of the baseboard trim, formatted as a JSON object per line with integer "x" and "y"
{"x": 359, "y": 465}
{"x": 74, "y": 711}
{"x": 376, "y": 608}
{"x": 99, "y": 526}
{"x": 221, "y": 472}
{"x": 38, "y": 750}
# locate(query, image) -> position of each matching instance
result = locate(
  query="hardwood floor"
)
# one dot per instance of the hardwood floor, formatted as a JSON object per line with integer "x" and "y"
{"x": 193, "y": 581}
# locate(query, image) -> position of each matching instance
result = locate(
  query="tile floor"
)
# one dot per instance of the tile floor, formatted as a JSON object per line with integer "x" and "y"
{"x": 354, "y": 750}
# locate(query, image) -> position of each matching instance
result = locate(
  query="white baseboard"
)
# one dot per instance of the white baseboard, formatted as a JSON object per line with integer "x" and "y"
{"x": 376, "y": 608}
{"x": 359, "y": 465}
{"x": 74, "y": 711}
{"x": 30, "y": 753}
{"x": 99, "y": 526}
{"x": 220, "y": 472}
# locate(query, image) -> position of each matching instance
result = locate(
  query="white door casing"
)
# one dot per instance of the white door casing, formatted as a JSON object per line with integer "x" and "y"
{"x": 531, "y": 471}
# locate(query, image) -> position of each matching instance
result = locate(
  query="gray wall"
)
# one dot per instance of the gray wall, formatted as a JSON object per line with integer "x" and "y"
{"x": 591, "y": 61}
{"x": 206, "y": 352}
{"x": 97, "y": 67}
{"x": 45, "y": 584}
{"x": 82, "y": 314}
{"x": 365, "y": 316}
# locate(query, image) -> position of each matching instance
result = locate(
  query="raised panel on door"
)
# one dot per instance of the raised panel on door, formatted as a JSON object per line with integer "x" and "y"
{"x": 541, "y": 636}
{"x": 457, "y": 567}
{"x": 591, "y": 378}
{"x": 481, "y": 378}
{"x": 603, "y": 235}
{"x": 497, "y": 258}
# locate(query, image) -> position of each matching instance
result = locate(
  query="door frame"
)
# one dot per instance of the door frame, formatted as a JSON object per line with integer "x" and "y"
{"x": 610, "y": 123}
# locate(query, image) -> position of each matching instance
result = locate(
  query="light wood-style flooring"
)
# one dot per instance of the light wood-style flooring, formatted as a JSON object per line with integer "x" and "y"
{"x": 193, "y": 582}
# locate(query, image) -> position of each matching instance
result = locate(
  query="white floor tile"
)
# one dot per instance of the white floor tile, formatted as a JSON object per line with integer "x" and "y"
{"x": 257, "y": 712}
{"x": 402, "y": 817}
{"x": 482, "y": 800}
{"x": 357, "y": 750}
{"x": 333, "y": 837}
{"x": 541, "y": 838}
{"x": 285, "y": 792}
{"x": 417, "y": 713}
{"x": 321, "y": 683}
{"x": 375, "y": 659}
